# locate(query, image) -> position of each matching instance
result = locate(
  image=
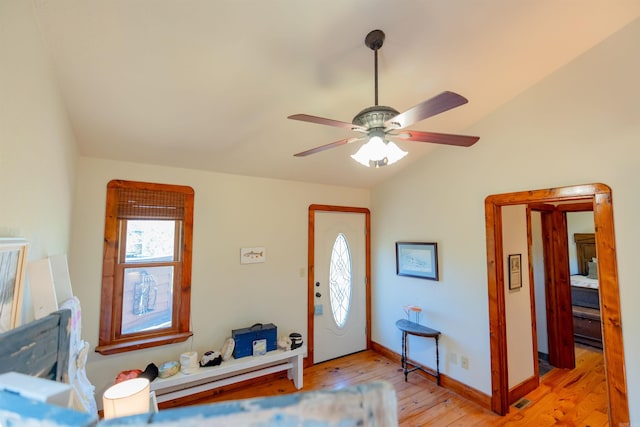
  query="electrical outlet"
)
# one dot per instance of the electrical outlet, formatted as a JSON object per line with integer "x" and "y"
{"x": 464, "y": 362}
{"x": 453, "y": 358}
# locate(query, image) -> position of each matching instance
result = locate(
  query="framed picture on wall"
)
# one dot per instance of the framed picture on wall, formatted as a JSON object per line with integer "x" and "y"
{"x": 252, "y": 255}
{"x": 13, "y": 254}
{"x": 515, "y": 271}
{"x": 417, "y": 259}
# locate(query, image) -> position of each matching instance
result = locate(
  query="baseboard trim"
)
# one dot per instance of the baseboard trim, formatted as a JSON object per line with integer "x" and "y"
{"x": 523, "y": 388}
{"x": 447, "y": 382}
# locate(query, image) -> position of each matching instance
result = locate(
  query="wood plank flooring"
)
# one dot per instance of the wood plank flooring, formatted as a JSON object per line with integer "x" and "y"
{"x": 566, "y": 397}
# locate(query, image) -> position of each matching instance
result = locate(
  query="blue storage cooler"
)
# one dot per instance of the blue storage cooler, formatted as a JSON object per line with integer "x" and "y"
{"x": 245, "y": 337}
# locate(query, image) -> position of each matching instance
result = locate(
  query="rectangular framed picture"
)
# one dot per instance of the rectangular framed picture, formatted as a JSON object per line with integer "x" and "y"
{"x": 252, "y": 255}
{"x": 515, "y": 271}
{"x": 13, "y": 258}
{"x": 417, "y": 259}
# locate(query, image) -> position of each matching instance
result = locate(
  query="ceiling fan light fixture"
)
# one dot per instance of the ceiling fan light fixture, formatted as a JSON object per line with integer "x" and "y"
{"x": 378, "y": 152}
{"x": 379, "y": 121}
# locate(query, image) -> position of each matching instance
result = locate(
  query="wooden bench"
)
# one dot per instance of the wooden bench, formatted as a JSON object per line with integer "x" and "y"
{"x": 230, "y": 372}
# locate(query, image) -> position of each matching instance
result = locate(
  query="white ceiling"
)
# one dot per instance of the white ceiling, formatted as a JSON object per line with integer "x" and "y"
{"x": 208, "y": 84}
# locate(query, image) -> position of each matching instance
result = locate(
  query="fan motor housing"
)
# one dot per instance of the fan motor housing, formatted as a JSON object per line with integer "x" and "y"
{"x": 374, "y": 117}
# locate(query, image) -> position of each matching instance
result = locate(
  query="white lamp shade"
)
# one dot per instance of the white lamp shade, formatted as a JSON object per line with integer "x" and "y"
{"x": 377, "y": 152}
{"x": 394, "y": 153}
{"x": 126, "y": 398}
{"x": 373, "y": 150}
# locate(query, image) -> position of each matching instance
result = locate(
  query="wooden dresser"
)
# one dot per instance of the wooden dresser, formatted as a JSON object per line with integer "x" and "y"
{"x": 586, "y": 326}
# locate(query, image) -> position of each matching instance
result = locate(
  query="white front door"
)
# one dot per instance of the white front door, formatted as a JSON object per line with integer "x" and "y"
{"x": 339, "y": 285}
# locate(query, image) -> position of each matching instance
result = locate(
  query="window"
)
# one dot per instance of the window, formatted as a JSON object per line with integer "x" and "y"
{"x": 146, "y": 269}
{"x": 340, "y": 280}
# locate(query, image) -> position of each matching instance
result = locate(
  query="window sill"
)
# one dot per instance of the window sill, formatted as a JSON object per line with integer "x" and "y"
{"x": 139, "y": 344}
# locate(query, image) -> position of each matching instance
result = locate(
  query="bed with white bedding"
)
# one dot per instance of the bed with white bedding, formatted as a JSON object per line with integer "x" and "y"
{"x": 584, "y": 292}
{"x": 585, "y": 296}
{"x": 584, "y": 286}
{"x": 584, "y": 281}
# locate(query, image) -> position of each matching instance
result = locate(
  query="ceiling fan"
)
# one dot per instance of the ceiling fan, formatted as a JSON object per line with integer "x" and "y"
{"x": 380, "y": 124}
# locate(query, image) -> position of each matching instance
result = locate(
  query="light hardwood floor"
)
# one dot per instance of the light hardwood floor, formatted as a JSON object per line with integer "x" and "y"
{"x": 565, "y": 397}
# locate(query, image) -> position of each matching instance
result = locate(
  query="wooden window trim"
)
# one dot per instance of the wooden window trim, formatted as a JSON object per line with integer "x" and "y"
{"x": 110, "y": 341}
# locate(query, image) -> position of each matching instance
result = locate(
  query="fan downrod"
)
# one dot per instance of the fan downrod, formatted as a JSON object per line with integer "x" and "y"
{"x": 374, "y": 39}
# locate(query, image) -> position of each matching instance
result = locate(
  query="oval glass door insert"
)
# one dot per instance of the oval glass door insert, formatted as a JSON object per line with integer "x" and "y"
{"x": 340, "y": 285}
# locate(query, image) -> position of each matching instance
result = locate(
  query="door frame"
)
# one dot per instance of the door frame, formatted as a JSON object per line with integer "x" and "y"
{"x": 557, "y": 298}
{"x": 613, "y": 348}
{"x": 311, "y": 274}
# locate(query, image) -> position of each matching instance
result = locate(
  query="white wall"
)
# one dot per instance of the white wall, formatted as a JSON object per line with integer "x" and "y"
{"x": 231, "y": 212}
{"x": 517, "y": 301}
{"x": 579, "y": 125}
{"x": 37, "y": 146}
{"x": 537, "y": 256}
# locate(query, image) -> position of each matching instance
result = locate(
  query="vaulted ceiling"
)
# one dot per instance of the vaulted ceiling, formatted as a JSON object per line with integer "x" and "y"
{"x": 208, "y": 84}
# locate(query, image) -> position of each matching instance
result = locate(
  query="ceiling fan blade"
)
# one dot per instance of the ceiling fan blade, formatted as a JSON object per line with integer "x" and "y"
{"x": 436, "y": 105}
{"x": 327, "y": 146}
{"x": 437, "y": 138}
{"x": 325, "y": 121}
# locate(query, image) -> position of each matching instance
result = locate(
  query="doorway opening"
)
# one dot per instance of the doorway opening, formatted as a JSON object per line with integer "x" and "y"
{"x": 561, "y": 236}
{"x": 599, "y": 195}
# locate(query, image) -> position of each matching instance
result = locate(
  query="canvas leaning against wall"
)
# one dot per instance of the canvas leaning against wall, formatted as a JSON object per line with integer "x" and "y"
{"x": 13, "y": 253}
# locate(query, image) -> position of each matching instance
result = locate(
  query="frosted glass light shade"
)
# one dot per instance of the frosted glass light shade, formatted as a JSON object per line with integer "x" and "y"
{"x": 126, "y": 398}
{"x": 377, "y": 152}
{"x": 394, "y": 153}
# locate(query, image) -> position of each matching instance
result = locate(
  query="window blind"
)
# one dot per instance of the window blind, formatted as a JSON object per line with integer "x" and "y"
{"x": 136, "y": 204}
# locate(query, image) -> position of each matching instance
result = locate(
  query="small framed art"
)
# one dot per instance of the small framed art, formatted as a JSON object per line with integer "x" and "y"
{"x": 252, "y": 255}
{"x": 515, "y": 271}
{"x": 417, "y": 259}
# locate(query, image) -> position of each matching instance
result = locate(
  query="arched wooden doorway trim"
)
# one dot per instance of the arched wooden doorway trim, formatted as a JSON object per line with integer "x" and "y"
{"x": 600, "y": 196}
{"x": 311, "y": 276}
